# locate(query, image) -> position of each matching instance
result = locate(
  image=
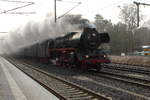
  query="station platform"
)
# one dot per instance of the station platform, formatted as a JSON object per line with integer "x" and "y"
{"x": 15, "y": 85}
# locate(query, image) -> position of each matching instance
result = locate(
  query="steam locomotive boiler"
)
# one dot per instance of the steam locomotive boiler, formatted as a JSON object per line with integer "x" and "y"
{"x": 79, "y": 49}
{"x": 75, "y": 49}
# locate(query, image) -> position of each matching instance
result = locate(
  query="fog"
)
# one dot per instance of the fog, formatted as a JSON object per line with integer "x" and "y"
{"x": 33, "y": 32}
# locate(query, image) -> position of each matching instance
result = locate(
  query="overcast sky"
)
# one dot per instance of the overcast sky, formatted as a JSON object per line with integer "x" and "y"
{"x": 107, "y": 8}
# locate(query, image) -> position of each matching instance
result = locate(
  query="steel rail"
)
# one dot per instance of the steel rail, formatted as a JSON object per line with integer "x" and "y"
{"x": 41, "y": 83}
{"x": 127, "y": 79}
{"x": 75, "y": 90}
{"x": 127, "y": 69}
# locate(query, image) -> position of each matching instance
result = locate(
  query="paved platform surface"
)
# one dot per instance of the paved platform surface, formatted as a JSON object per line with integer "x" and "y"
{"x": 15, "y": 85}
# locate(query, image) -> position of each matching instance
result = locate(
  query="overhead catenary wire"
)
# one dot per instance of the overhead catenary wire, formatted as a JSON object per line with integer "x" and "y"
{"x": 16, "y": 1}
{"x": 69, "y": 10}
{"x": 16, "y": 8}
{"x": 65, "y": 1}
{"x": 8, "y": 11}
{"x": 20, "y": 13}
{"x": 78, "y": 3}
{"x": 3, "y": 32}
{"x": 107, "y": 6}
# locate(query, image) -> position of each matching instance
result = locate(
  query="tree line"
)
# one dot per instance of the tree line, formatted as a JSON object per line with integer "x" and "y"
{"x": 125, "y": 35}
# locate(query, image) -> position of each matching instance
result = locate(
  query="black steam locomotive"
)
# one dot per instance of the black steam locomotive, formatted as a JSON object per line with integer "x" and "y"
{"x": 76, "y": 49}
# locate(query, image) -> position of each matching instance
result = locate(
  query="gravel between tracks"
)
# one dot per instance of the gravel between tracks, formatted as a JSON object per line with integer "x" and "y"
{"x": 98, "y": 84}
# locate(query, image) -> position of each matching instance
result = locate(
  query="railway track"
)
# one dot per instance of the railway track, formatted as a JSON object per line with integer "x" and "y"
{"x": 116, "y": 90}
{"x": 126, "y": 79}
{"x": 61, "y": 88}
{"x": 124, "y": 68}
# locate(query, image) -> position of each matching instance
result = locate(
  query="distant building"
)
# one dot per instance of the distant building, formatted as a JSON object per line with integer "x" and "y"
{"x": 142, "y": 50}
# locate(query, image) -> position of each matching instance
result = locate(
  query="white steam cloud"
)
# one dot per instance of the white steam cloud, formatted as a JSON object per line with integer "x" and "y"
{"x": 34, "y": 32}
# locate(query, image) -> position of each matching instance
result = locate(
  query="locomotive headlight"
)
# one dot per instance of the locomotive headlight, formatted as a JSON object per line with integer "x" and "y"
{"x": 105, "y": 56}
{"x": 86, "y": 56}
{"x": 93, "y": 34}
{"x": 71, "y": 53}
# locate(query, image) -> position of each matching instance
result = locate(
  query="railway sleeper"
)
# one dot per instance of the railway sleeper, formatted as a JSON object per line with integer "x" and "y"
{"x": 82, "y": 97}
{"x": 68, "y": 89}
{"x": 77, "y": 92}
{"x": 72, "y": 92}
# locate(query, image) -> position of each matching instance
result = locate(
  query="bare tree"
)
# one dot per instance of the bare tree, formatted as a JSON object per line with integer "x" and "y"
{"x": 102, "y": 24}
{"x": 128, "y": 16}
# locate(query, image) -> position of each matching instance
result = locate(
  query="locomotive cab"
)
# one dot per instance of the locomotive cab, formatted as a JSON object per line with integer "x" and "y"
{"x": 91, "y": 39}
